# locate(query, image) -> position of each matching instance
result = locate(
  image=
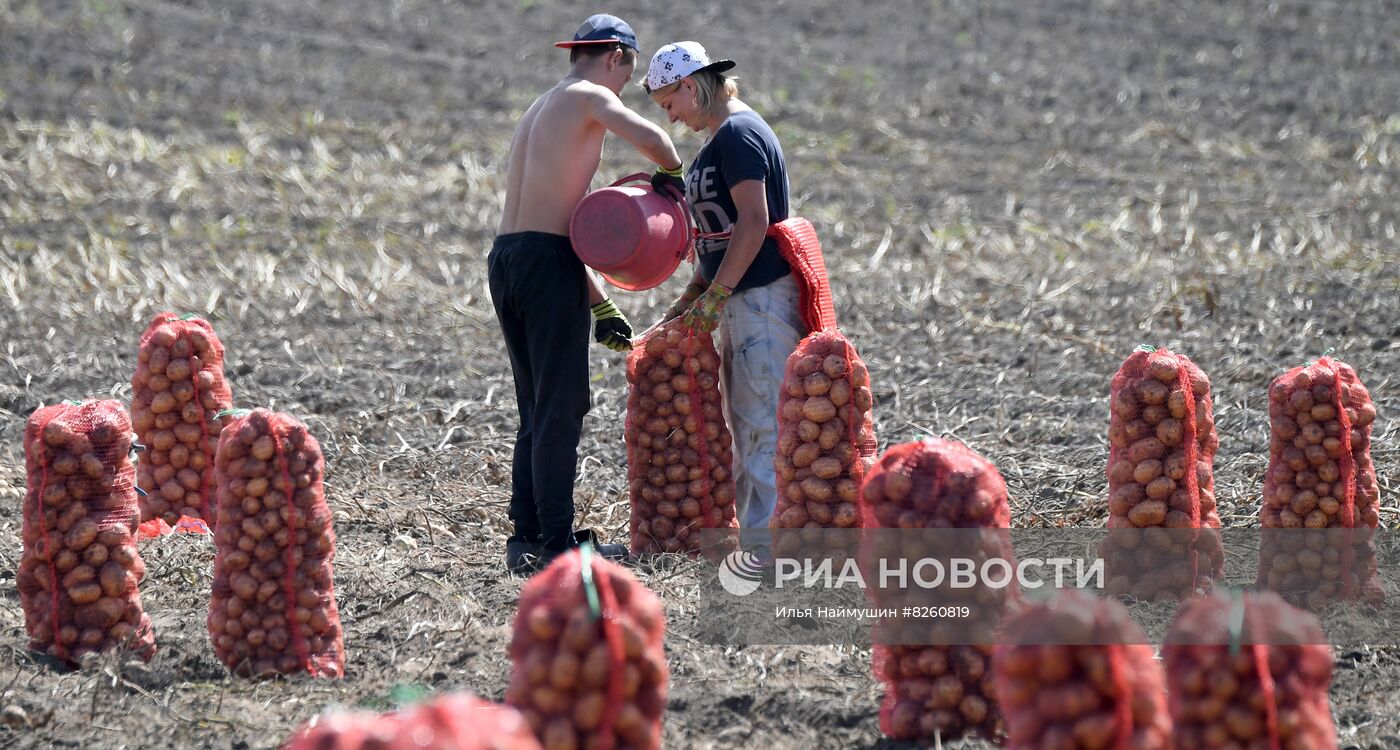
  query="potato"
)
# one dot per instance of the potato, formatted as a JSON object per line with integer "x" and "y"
{"x": 1146, "y": 449}
{"x": 818, "y": 409}
{"x": 819, "y": 490}
{"x": 85, "y": 593}
{"x": 791, "y": 409}
{"x": 82, "y": 534}
{"x": 826, "y": 467}
{"x": 816, "y": 384}
{"x": 1150, "y": 392}
{"x": 833, "y": 436}
{"x": 806, "y": 454}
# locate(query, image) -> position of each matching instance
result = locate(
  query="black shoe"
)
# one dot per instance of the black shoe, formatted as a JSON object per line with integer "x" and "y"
{"x": 613, "y": 552}
{"x": 523, "y": 558}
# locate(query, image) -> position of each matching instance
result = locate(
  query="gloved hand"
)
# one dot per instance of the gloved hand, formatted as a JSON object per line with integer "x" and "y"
{"x": 611, "y": 329}
{"x": 669, "y": 182}
{"x": 703, "y": 316}
{"x": 692, "y": 292}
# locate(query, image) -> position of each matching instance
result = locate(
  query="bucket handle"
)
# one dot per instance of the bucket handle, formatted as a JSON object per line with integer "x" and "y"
{"x": 691, "y": 233}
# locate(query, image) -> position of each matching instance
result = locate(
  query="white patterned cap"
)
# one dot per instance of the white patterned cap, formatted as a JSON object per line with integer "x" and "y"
{"x": 676, "y": 61}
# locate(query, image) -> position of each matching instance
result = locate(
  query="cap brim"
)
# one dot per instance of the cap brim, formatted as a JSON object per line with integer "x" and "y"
{"x": 591, "y": 42}
{"x": 718, "y": 66}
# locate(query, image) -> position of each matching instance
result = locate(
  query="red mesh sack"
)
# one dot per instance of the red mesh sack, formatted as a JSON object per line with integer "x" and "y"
{"x": 933, "y": 690}
{"x": 272, "y": 610}
{"x": 934, "y": 484}
{"x": 799, "y": 246}
{"x": 589, "y": 669}
{"x": 679, "y": 451}
{"x": 1248, "y": 671}
{"x": 79, "y": 570}
{"x": 1320, "y": 477}
{"x": 1161, "y": 475}
{"x": 1075, "y": 673}
{"x": 178, "y": 390}
{"x": 826, "y": 437}
{"x": 452, "y": 722}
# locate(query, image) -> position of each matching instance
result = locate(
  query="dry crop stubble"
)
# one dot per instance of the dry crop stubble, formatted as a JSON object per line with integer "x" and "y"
{"x": 1003, "y": 222}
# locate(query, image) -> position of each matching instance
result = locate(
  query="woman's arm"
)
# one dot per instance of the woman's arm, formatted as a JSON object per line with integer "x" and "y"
{"x": 693, "y": 290}
{"x": 746, "y": 236}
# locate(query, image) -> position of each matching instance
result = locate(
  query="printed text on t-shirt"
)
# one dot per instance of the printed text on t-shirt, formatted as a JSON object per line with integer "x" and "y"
{"x": 710, "y": 217}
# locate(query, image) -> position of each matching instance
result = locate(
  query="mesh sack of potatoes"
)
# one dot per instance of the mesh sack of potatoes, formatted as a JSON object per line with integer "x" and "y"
{"x": 941, "y": 692}
{"x": 1320, "y": 482}
{"x": 1074, "y": 672}
{"x": 679, "y": 451}
{"x": 588, "y": 666}
{"x": 1248, "y": 671}
{"x": 178, "y": 390}
{"x": 455, "y": 721}
{"x": 936, "y": 497}
{"x": 826, "y": 437}
{"x": 79, "y": 568}
{"x": 272, "y": 610}
{"x": 1161, "y": 476}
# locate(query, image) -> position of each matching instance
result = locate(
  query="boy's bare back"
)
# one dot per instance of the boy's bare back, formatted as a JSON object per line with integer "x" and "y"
{"x": 553, "y": 156}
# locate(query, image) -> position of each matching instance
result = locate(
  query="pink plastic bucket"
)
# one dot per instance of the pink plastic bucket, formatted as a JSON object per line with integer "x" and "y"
{"x": 634, "y": 236}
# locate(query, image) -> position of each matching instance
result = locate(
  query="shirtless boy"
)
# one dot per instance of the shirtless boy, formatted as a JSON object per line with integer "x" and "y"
{"x": 543, "y": 295}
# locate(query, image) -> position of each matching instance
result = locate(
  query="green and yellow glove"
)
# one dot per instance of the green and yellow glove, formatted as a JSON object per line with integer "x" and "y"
{"x": 669, "y": 182}
{"x": 610, "y": 328}
{"x": 692, "y": 292}
{"x": 703, "y": 316}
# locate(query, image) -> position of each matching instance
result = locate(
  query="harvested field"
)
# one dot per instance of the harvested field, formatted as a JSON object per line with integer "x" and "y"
{"x": 1011, "y": 195}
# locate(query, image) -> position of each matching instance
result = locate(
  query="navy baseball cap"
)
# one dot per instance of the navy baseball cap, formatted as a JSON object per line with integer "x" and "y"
{"x": 602, "y": 28}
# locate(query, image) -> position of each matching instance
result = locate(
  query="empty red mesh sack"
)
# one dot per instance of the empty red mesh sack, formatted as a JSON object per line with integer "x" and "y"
{"x": 1322, "y": 483}
{"x": 1161, "y": 476}
{"x": 799, "y": 246}
{"x": 679, "y": 451}
{"x": 826, "y": 437}
{"x": 944, "y": 688}
{"x": 589, "y": 669}
{"x": 178, "y": 390}
{"x": 1248, "y": 671}
{"x": 272, "y": 610}
{"x": 79, "y": 569}
{"x": 1075, "y": 673}
{"x": 452, "y": 722}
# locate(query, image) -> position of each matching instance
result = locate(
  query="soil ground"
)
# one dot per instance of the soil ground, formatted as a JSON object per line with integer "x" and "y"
{"x": 1012, "y": 196}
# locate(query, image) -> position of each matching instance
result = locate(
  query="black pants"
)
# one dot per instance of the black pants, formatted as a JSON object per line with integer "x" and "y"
{"x": 541, "y": 299}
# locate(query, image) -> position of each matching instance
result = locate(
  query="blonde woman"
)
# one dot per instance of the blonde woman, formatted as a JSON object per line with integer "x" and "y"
{"x": 737, "y": 186}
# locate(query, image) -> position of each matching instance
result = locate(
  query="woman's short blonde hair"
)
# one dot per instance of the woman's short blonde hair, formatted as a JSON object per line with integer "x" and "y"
{"x": 709, "y": 83}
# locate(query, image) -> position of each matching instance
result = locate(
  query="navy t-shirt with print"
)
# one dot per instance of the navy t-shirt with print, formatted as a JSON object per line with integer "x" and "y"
{"x": 743, "y": 148}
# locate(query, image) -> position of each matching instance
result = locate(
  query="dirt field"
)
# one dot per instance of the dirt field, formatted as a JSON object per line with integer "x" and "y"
{"x": 1012, "y": 196}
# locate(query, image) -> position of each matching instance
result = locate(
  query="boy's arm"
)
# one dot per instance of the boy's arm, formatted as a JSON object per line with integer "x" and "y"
{"x": 642, "y": 133}
{"x": 595, "y": 290}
